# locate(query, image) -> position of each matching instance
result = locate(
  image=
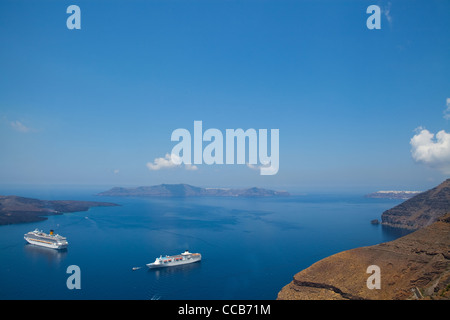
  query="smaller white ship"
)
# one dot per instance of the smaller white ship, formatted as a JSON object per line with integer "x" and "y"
{"x": 180, "y": 259}
{"x": 39, "y": 238}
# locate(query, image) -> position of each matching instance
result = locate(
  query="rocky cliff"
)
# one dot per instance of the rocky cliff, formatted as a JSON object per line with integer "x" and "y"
{"x": 416, "y": 266}
{"x": 421, "y": 210}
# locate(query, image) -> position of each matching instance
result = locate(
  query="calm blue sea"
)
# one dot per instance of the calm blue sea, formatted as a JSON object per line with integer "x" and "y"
{"x": 251, "y": 247}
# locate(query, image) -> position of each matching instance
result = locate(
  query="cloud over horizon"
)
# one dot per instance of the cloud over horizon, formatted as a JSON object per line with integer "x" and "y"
{"x": 169, "y": 161}
{"x": 387, "y": 13}
{"x": 431, "y": 150}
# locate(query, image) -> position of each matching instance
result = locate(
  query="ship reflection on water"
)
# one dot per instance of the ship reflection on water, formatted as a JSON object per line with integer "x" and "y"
{"x": 51, "y": 255}
{"x": 184, "y": 269}
{"x": 164, "y": 282}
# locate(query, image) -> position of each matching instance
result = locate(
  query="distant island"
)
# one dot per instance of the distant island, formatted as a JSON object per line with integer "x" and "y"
{"x": 393, "y": 194}
{"x": 186, "y": 190}
{"x": 15, "y": 209}
{"x": 416, "y": 266}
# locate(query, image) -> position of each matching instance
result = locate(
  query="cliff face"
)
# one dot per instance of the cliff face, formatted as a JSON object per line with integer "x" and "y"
{"x": 416, "y": 266}
{"x": 421, "y": 210}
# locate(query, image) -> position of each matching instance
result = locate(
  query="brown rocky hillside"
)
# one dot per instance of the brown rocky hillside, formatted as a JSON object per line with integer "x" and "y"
{"x": 421, "y": 210}
{"x": 416, "y": 266}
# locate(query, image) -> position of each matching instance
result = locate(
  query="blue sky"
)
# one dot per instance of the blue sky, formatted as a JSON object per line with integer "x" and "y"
{"x": 94, "y": 106}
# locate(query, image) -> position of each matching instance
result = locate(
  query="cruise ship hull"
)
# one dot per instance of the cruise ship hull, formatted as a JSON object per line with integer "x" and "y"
{"x": 46, "y": 244}
{"x": 171, "y": 261}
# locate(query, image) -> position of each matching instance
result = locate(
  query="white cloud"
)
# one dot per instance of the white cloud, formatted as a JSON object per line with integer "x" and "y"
{"x": 431, "y": 150}
{"x": 190, "y": 167}
{"x": 387, "y": 13}
{"x": 116, "y": 171}
{"x": 162, "y": 163}
{"x": 447, "y": 111}
{"x": 169, "y": 161}
{"x": 20, "y": 127}
{"x": 252, "y": 166}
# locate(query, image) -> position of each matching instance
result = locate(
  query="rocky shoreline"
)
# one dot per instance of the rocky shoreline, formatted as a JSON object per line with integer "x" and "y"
{"x": 15, "y": 209}
{"x": 415, "y": 266}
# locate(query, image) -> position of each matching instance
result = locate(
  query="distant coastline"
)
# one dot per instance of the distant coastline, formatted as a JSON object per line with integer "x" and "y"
{"x": 393, "y": 194}
{"x": 15, "y": 209}
{"x": 186, "y": 190}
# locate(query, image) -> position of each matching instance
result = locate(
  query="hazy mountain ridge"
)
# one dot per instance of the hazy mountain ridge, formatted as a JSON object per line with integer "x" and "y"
{"x": 186, "y": 190}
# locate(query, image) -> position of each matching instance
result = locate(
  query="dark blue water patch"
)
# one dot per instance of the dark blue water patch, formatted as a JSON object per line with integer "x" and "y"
{"x": 251, "y": 247}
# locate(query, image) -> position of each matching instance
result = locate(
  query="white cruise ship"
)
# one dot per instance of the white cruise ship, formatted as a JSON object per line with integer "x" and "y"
{"x": 39, "y": 238}
{"x": 180, "y": 259}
